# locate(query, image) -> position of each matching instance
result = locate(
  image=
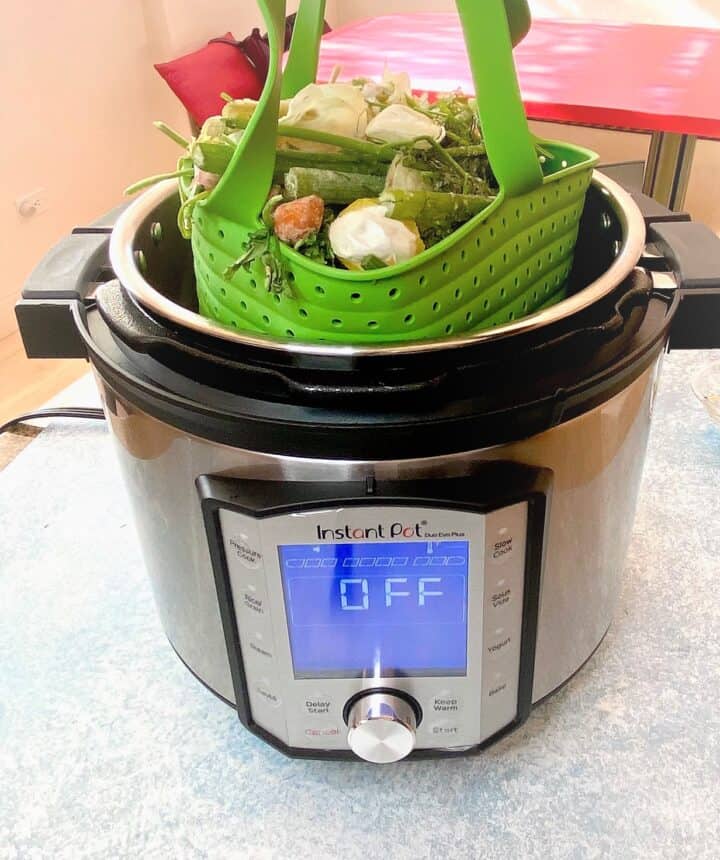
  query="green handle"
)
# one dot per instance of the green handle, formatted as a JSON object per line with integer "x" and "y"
{"x": 491, "y": 27}
{"x": 302, "y": 63}
{"x": 242, "y": 190}
{"x": 510, "y": 145}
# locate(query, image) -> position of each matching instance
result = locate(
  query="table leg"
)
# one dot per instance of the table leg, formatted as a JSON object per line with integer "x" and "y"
{"x": 667, "y": 172}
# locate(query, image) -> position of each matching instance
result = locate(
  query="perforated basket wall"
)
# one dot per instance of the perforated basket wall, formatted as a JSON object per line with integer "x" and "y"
{"x": 508, "y": 262}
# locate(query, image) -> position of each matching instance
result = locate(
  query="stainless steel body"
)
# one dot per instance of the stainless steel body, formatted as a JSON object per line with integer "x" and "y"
{"x": 221, "y": 434}
{"x": 596, "y": 463}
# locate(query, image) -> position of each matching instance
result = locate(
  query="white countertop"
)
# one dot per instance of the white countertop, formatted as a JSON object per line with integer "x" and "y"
{"x": 109, "y": 748}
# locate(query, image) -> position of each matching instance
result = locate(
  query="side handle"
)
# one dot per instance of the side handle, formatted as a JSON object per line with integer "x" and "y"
{"x": 67, "y": 275}
{"x": 693, "y": 254}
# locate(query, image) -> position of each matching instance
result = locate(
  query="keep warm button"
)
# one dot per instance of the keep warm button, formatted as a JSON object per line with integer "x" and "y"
{"x": 446, "y": 703}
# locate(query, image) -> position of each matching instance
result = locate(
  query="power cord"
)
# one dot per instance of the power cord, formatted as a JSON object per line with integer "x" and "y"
{"x": 66, "y": 412}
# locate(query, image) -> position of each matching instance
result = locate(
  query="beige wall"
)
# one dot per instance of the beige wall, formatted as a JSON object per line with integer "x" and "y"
{"x": 78, "y": 95}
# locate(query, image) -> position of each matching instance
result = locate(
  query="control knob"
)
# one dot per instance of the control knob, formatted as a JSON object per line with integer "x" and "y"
{"x": 381, "y": 727}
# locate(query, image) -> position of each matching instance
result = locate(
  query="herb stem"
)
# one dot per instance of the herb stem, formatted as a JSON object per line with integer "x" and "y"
{"x": 172, "y": 134}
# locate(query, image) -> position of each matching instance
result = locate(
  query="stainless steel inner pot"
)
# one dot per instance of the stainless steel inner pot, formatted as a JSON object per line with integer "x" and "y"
{"x": 153, "y": 263}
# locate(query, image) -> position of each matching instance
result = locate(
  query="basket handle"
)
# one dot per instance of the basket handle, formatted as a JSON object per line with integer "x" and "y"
{"x": 302, "y": 63}
{"x": 242, "y": 190}
{"x": 489, "y": 36}
{"x": 510, "y": 145}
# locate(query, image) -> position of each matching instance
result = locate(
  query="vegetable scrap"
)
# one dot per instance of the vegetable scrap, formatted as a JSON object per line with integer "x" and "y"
{"x": 367, "y": 174}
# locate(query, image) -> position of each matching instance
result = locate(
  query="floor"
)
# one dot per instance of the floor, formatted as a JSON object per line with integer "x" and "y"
{"x": 25, "y": 384}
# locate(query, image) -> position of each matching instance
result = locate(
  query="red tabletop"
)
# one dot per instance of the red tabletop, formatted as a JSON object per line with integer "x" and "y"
{"x": 632, "y": 76}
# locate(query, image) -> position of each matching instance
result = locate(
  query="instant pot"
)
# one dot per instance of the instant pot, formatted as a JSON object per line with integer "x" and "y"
{"x": 381, "y": 551}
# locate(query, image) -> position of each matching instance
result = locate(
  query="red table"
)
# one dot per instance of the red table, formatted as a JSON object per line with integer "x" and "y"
{"x": 636, "y": 77}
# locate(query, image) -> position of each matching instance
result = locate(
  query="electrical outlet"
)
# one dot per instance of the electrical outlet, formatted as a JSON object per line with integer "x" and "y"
{"x": 32, "y": 203}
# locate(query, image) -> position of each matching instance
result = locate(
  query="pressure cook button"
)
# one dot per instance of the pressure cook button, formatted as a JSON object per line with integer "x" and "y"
{"x": 317, "y": 706}
{"x": 445, "y": 702}
{"x": 502, "y": 546}
{"x": 267, "y": 694}
{"x": 242, "y": 548}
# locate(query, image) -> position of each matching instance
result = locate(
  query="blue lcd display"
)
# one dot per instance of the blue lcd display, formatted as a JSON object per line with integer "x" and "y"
{"x": 376, "y": 609}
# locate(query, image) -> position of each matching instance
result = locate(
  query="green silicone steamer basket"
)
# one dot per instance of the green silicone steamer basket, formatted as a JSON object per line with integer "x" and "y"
{"x": 510, "y": 261}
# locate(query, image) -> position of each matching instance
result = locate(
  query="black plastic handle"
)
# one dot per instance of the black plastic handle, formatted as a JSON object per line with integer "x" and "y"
{"x": 72, "y": 268}
{"x": 146, "y": 335}
{"x": 692, "y": 252}
{"x": 67, "y": 274}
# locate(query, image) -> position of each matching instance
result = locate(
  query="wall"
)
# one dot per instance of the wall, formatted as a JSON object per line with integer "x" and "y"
{"x": 79, "y": 95}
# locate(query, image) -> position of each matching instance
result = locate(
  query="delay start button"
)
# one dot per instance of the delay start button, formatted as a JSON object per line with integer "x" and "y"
{"x": 317, "y": 706}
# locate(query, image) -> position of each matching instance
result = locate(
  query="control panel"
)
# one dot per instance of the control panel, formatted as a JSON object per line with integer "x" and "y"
{"x": 376, "y": 628}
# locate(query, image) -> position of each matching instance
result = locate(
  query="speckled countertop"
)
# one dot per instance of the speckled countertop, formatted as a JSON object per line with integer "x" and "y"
{"x": 109, "y": 748}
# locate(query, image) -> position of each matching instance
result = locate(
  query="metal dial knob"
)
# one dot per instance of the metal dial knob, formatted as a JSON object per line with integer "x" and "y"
{"x": 382, "y": 728}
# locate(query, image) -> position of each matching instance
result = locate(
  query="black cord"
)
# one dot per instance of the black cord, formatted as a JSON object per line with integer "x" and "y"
{"x": 66, "y": 412}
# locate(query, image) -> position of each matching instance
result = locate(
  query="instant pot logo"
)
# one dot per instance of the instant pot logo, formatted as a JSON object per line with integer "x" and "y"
{"x": 378, "y": 532}
{"x": 383, "y": 531}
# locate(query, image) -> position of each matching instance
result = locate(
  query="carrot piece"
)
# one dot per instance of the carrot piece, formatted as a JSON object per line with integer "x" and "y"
{"x": 299, "y": 219}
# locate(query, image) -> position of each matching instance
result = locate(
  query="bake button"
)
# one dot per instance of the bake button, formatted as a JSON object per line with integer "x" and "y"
{"x": 317, "y": 706}
{"x": 497, "y": 685}
{"x": 267, "y": 694}
{"x": 502, "y": 546}
{"x": 241, "y": 547}
{"x": 445, "y": 702}
{"x": 444, "y": 730}
{"x": 321, "y": 734}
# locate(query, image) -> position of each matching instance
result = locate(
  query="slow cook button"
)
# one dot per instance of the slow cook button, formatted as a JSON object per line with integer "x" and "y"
{"x": 443, "y": 731}
{"x": 267, "y": 694}
{"x": 316, "y": 706}
{"x": 502, "y": 546}
{"x": 241, "y": 547}
{"x": 445, "y": 702}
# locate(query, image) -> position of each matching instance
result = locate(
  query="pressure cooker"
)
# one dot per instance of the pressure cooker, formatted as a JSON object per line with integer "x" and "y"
{"x": 381, "y": 551}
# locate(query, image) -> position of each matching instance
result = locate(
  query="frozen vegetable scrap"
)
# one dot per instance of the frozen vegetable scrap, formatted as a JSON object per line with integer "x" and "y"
{"x": 367, "y": 175}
